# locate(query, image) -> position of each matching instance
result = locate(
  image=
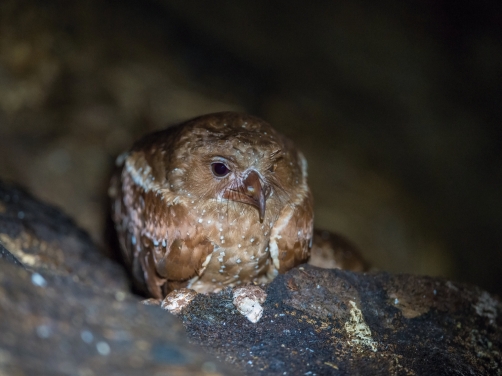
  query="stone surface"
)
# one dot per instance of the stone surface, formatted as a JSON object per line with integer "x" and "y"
{"x": 52, "y": 325}
{"x": 43, "y": 238}
{"x": 319, "y": 321}
{"x": 68, "y": 312}
{"x": 7, "y": 256}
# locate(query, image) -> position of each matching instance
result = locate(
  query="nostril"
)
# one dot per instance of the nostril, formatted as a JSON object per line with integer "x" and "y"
{"x": 267, "y": 191}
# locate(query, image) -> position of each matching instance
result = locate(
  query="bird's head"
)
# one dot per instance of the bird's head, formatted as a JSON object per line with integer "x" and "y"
{"x": 236, "y": 158}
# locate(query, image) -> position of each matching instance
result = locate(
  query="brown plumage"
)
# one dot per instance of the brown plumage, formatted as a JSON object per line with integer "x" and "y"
{"x": 221, "y": 200}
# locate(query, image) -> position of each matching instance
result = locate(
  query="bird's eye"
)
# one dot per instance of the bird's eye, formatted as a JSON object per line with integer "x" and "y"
{"x": 219, "y": 169}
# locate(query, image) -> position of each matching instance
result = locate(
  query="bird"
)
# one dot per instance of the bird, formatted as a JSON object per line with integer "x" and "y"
{"x": 218, "y": 201}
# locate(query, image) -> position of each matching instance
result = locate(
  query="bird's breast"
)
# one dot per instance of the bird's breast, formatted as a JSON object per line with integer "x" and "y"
{"x": 240, "y": 250}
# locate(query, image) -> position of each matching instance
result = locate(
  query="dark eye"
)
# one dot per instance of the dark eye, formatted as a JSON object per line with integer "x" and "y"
{"x": 219, "y": 169}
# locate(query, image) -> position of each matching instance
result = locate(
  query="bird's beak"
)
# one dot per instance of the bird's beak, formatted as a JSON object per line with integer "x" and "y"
{"x": 251, "y": 192}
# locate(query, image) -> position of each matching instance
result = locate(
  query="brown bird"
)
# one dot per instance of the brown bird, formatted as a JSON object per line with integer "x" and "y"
{"x": 221, "y": 200}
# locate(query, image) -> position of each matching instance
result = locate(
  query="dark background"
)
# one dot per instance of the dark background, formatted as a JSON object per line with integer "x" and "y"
{"x": 397, "y": 107}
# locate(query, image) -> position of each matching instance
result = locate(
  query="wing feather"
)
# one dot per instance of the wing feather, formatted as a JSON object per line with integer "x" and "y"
{"x": 153, "y": 226}
{"x": 291, "y": 236}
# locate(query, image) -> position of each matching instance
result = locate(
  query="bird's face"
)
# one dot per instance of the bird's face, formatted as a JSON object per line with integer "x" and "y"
{"x": 240, "y": 163}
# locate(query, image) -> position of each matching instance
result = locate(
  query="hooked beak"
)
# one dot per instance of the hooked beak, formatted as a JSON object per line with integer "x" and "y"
{"x": 250, "y": 192}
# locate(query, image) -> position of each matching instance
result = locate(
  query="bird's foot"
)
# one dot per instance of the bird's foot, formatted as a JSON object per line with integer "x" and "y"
{"x": 248, "y": 300}
{"x": 151, "y": 301}
{"x": 177, "y": 300}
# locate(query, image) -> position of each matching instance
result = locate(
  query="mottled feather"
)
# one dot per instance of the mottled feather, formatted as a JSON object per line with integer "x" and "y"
{"x": 182, "y": 222}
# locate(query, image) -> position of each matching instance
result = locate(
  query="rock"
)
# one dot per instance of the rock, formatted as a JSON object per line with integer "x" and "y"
{"x": 319, "y": 321}
{"x": 7, "y": 256}
{"x": 42, "y": 238}
{"x": 52, "y": 325}
{"x": 69, "y": 311}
